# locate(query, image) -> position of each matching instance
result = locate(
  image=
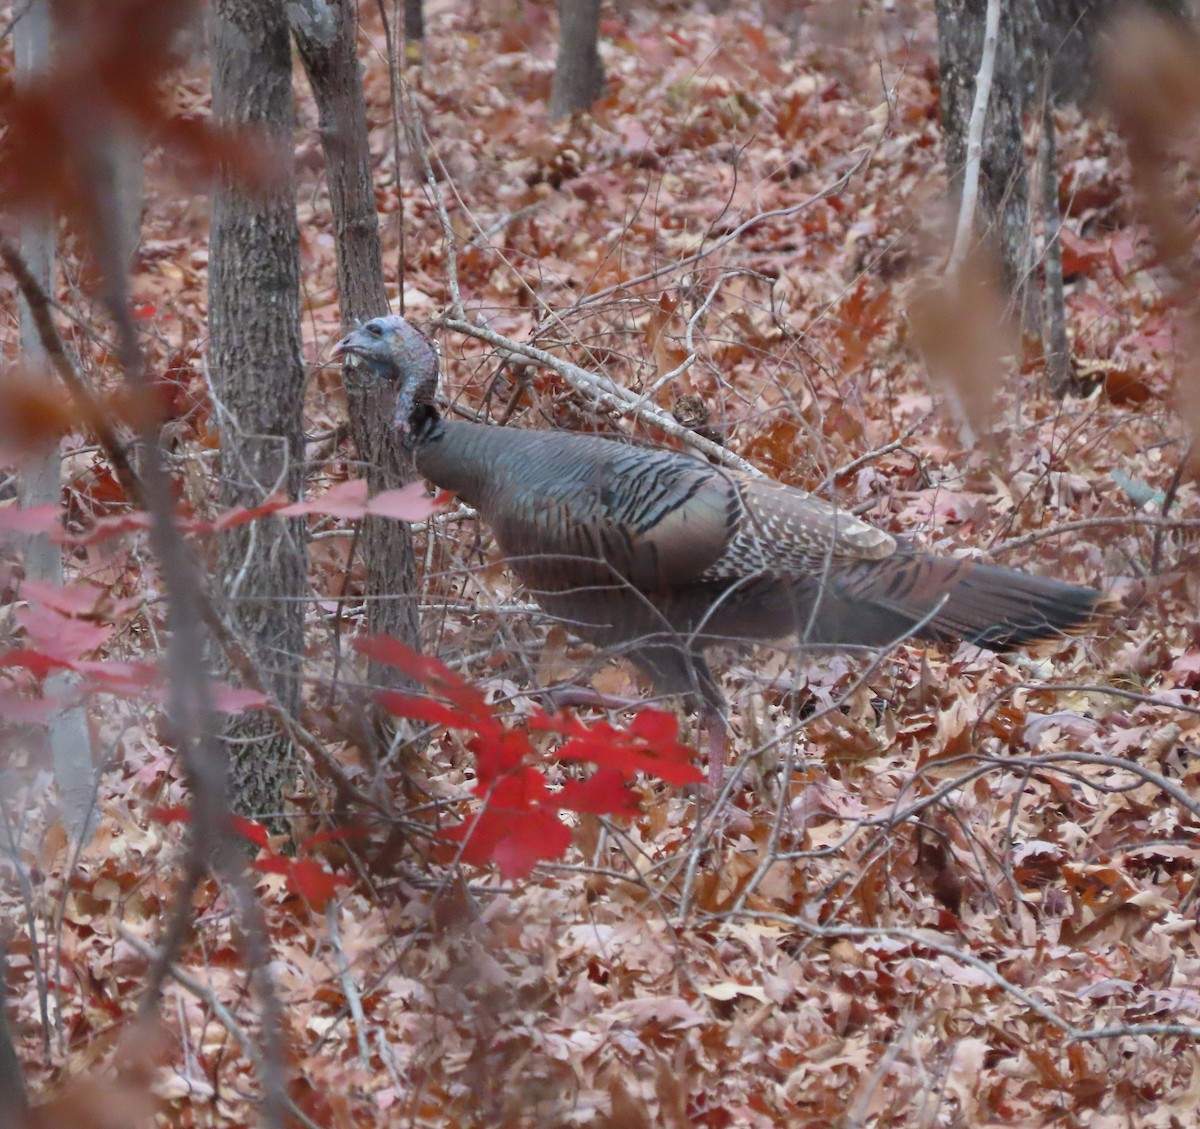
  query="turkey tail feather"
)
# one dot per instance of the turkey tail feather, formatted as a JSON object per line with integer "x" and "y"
{"x": 998, "y": 608}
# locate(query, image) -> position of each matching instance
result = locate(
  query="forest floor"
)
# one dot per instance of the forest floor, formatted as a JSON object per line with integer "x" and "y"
{"x": 945, "y": 887}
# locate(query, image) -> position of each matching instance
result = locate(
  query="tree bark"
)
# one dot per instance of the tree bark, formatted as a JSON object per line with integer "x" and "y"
{"x": 13, "y": 1103}
{"x": 326, "y": 37}
{"x": 1068, "y": 31}
{"x": 1055, "y": 344}
{"x": 414, "y": 20}
{"x": 254, "y": 356}
{"x": 1004, "y": 190}
{"x": 41, "y": 479}
{"x": 1045, "y": 46}
{"x": 578, "y": 73}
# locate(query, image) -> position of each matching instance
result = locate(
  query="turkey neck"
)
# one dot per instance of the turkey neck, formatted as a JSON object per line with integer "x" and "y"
{"x": 453, "y": 455}
{"x": 503, "y": 471}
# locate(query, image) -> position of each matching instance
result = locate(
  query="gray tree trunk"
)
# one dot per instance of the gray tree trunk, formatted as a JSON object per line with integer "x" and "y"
{"x": 1004, "y": 191}
{"x": 326, "y": 37}
{"x": 578, "y": 73}
{"x": 1069, "y": 29}
{"x": 1055, "y": 343}
{"x": 414, "y": 20}
{"x": 258, "y": 377}
{"x": 1045, "y": 45}
{"x": 41, "y": 479}
{"x": 13, "y": 1103}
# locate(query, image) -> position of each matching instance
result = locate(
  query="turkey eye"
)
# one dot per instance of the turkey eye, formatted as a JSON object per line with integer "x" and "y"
{"x": 374, "y": 329}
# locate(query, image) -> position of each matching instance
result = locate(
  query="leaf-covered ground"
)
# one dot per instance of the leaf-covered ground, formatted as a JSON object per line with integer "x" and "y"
{"x": 946, "y": 888}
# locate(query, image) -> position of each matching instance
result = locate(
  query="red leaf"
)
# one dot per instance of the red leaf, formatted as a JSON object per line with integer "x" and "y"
{"x": 478, "y": 835}
{"x": 518, "y": 790}
{"x": 605, "y": 792}
{"x": 611, "y": 752}
{"x": 538, "y": 837}
{"x": 38, "y": 664}
{"x": 176, "y": 814}
{"x": 499, "y": 753}
{"x": 421, "y": 668}
{"x": 313, "y": 882}
{"x": 416, "y": 708}
{"x": 650, "y": 745}
{"x": 237, "y": 699}
{"x": 230, "y": 519}
{"x": 118, "y": 677}
{"x": 305, "y": 877}
{"x": 35, "y": 519}
{"x": 1079, "y": 256}
{"x": 248, "y": 829}
{"x": 61, "y": 636}
{"x": 656, "y": 726}
{"x": 70, "y": 599}
{"x": 515, "y": 841}
{"x": 409, "y": 503}
{"x": 273, "y": 864}
{"x": 17, "y": 707}
{"x": 343, "y": 499}
{"x": 433, "y": 675}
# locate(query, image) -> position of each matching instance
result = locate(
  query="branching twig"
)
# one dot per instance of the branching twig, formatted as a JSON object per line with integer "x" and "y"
{"x": 90, "y": 405}
{"x": 921, "y": 940}
{"x": 603, "y": 392}
{"x": 209, "y": 998}
{"x": 871, "y": 456}
{"x": 1152, "y": 521}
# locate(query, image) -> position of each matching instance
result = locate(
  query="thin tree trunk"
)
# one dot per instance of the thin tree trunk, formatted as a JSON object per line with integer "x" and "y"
{"x": 1004, "y": 180}
{"x": 254, "y": 356}
{"x": 326, "y": 39}
{"x": 578, "y": 73}
{"x": 1054, "y": 332}
{"x": 414, "y": 20}
{"x": 41, "y": 480}
{"x": 13, "y": 1103}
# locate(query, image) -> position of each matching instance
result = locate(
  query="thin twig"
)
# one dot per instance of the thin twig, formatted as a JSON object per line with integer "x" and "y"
{"x": 349, "y": 988}
{"x": 697, "y": 256}
{"x": 90, "y": 405}
{"x": 209, "y": 998}
{"x": 603, "y": 392}
{"x": 1167, "y": 502}
{"x": 921, "y": 940}
{"x": 871, "y": 456}
{"x": 1151, "y": 521}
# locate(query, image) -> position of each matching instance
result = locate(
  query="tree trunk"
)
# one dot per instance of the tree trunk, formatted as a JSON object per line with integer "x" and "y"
{"x": 578, "y": 73}
{"x": 1055, "y": 343}
{"x": 1004, "y": 188}
{"x": 41, "y": 479}
{"x": 13, "y": 1103}
{"x": 1069, "y": 30}
{"x": 414, "y": 20}
{"x": 254, "y": 356}
{"x": 326, "y": 40}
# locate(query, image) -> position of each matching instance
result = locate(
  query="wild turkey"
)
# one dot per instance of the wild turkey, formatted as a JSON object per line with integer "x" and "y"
{"x": 664, "y": 554}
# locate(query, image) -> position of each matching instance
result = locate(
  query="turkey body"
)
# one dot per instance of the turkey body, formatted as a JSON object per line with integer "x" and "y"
{"x": 663, "y": 554}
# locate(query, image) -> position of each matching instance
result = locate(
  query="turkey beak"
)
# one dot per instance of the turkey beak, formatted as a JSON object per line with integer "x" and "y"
{"x": 344, "y": 349}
